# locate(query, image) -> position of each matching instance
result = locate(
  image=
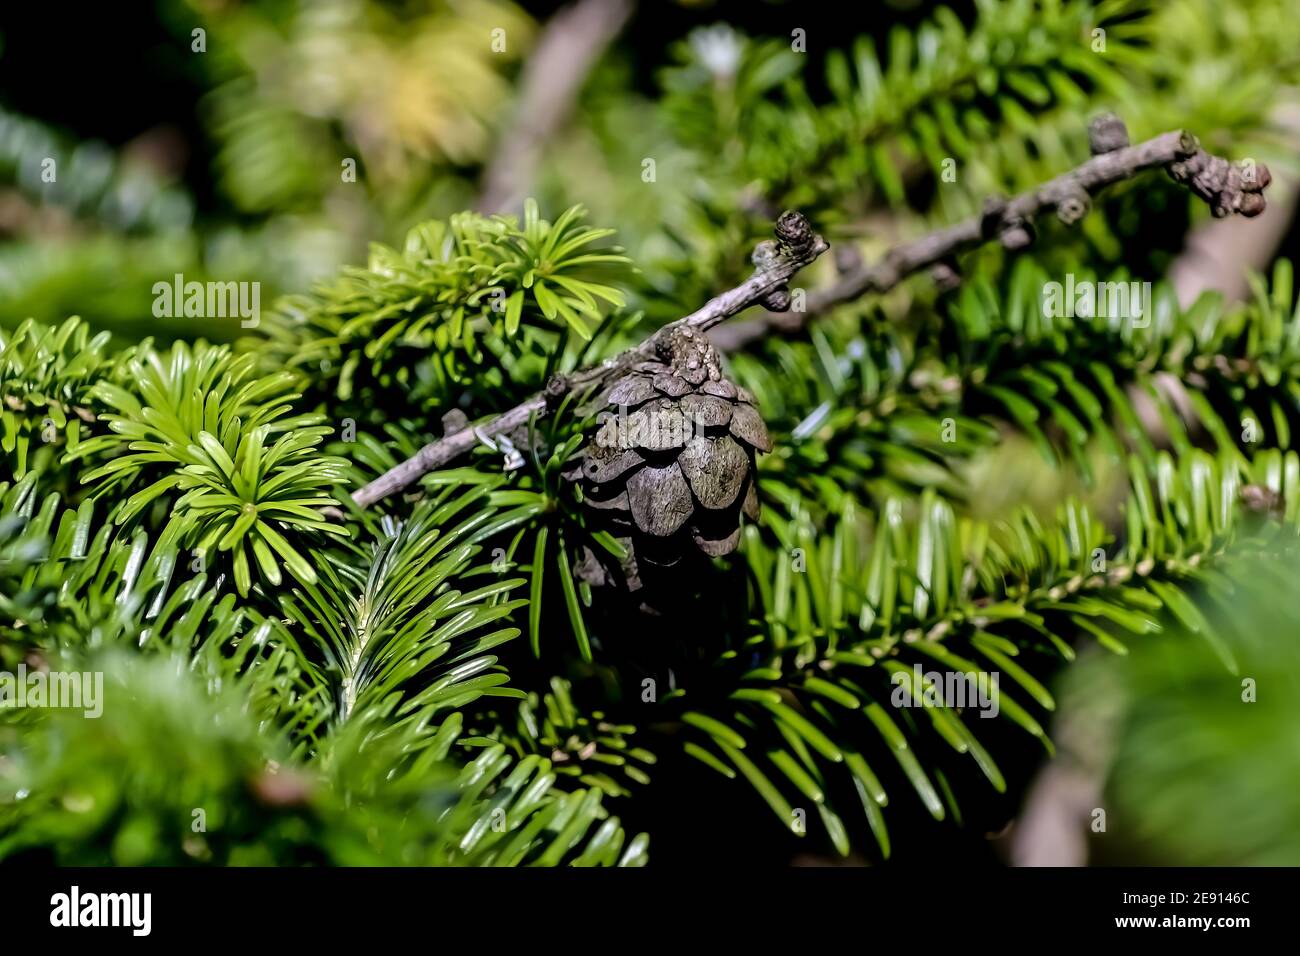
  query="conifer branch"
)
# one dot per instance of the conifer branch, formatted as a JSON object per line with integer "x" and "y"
{"x": 775, "y": 263}
{"x": 1227, "y": 187}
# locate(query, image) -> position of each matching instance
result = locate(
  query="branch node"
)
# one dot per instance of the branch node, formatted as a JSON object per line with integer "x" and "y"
{"x": 454, "y": 421}
{"x": 946, "y": 275}
{"x": 1073, "y": 206}
{"x": 778, "y": 300}
{"x": 994, "y": 209}
{"x": 1017, "y": 234}
{"x": 557, "y": 386}
{"x": 1107, "y": 133}
{"x": 848, "y": 258}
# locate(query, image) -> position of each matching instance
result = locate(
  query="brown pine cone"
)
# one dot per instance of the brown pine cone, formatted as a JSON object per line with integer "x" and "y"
{"x": 670, "y": 468}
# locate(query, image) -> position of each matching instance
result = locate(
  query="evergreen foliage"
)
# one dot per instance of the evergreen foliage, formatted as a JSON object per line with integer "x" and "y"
{"x": 441, "y": 678}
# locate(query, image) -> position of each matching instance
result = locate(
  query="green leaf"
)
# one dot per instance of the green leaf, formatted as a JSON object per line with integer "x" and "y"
{"x": 535, "y": 591}
{"x": 571, "y": 601}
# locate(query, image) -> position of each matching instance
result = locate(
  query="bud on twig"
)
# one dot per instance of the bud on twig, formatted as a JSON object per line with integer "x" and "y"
{"x": 1106, "y": 134}
{"x": 945, "y": 275}
{"x": 777, "y": 301}
{"x": 1073, "y": 206}
{"x": 795, "y": 233}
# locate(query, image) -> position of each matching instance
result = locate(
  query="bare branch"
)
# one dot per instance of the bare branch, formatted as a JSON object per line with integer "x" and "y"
{"x": 572, "y": 42}
{"x": 1228, "y": 188}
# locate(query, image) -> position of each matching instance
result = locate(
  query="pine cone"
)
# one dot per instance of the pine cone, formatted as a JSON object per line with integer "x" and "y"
{"x": 671, "y": 467}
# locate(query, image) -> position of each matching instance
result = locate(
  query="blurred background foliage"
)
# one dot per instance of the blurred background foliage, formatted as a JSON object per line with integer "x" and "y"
{"x": 234, "y": 161}
{"x": 229, "y": 162}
